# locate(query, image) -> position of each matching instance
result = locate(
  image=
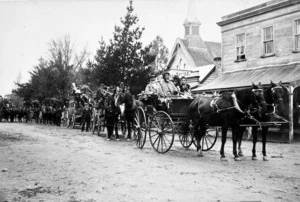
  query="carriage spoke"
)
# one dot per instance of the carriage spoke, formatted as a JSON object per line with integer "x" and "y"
{"x": 208, "y": 137}
{"x": 205, "y": 138}
{"x": 157, "y": 143}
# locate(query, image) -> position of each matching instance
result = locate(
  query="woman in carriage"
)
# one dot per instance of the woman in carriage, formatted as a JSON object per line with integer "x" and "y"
{"x": 185, "y": 90}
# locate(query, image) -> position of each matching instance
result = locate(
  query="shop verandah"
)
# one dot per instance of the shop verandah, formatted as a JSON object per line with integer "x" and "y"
{"x": 287, "y": 74}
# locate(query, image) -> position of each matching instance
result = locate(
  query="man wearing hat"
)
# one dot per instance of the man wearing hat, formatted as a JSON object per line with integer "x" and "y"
{"x": 153, "y": 87}
{"x": 168, "y": 86}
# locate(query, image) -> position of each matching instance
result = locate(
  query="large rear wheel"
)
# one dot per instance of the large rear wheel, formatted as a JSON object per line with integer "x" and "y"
{"x": 161, "y": 132}
{"x": 140, "y": 127}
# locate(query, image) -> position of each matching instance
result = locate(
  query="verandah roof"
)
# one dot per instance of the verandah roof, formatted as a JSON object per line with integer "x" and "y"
{"x": 288, "y": 74}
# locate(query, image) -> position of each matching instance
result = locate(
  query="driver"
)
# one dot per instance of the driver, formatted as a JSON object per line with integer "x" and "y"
{"x": 168, "y": 86}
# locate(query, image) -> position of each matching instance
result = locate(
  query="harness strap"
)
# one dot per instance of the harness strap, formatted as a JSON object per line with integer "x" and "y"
{"x": 235, "y": 103}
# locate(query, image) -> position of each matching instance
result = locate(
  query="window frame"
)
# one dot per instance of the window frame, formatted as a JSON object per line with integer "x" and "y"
{"x": 238, "y": 55}
{"x": 264, "y": 54}
{"x": 295, "y": 35}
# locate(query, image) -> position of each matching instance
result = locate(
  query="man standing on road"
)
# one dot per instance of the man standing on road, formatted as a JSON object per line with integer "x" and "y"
{"x": 86, "y": 117}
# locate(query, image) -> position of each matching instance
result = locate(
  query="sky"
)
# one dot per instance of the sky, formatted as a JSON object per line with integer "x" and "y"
{"x": 27, "y": 27}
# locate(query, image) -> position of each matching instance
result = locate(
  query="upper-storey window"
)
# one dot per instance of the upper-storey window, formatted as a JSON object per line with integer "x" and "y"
{"x": 240, "y": 47}
{"x": 297, "y": 35}
{"x": 268, "y": 41}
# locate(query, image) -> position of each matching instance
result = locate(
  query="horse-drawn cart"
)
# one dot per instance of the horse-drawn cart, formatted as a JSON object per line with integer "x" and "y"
{"x": 163, "y": 121}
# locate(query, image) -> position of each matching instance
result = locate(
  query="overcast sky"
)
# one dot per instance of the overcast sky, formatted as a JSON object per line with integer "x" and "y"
{"x": 27, "y": 26}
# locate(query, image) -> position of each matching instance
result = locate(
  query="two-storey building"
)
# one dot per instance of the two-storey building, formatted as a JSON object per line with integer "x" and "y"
{"x": 260, "y": 44}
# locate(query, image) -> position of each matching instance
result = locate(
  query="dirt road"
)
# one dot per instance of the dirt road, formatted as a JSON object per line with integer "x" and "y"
{"x": 48, "y": 163}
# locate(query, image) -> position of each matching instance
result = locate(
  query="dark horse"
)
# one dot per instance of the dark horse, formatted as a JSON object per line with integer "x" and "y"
{"x": 225, "y": 110}
{"x": 112, "y": 113}
{"x": 130, "y": 106}
{"x": 274, "y": 95}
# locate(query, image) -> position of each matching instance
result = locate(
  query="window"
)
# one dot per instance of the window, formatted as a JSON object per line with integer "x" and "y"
{"x": 268, "y": 41}
{"x": 240, "y": 47}
{"x": 187, "y": 30}
{"x": 180, "y": 63}
{"x": 195, "y": 30}
{"x": 297, "y": 35}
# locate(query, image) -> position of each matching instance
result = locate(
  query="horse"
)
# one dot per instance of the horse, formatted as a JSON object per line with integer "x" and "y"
{"x": 129, "y": 110}
{"x": 274, "y": 96}
{"x": 112, "y": 113}
{"x": 225, "y": 110}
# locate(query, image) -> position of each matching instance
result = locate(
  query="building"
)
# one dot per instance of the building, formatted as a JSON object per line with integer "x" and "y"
{"x": 192, "y": 57}
{"x": 260, "y": 44}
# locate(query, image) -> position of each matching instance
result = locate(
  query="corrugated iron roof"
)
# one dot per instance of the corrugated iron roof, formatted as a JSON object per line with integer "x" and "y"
{"x": 289, "y": 73}
{"x": 204, "y": 56}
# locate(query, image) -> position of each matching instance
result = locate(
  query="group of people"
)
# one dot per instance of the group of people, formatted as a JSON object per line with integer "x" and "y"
{"x": 166, "y": 87}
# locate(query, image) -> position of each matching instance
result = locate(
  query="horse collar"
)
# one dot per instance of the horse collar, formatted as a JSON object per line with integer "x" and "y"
{"x": 235, "y": 103}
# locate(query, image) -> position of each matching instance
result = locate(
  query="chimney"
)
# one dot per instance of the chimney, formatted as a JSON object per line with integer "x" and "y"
{"x": 218, "y": 65}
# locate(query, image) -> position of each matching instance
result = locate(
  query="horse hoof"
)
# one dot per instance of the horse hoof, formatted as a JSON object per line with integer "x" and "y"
{"x": 254, "y": 158}
{"x": 241, "y": 153}
{"x": 265, "y": 158}
{"x": 200, "y": 154}
{"x": 237, "y": 159}
{"x": 223, "y": 158}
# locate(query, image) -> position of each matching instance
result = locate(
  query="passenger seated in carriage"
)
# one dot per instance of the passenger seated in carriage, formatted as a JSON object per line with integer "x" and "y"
{"x": 120, "y": 88}
{"x": 185, "y": 90}
{"x": 152, "y": 91}
{"x": 168, "y": 87}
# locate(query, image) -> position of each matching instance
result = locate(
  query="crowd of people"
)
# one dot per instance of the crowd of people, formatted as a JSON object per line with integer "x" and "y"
{"x": 87, "y": 103}
{"x": 29, "y": 112}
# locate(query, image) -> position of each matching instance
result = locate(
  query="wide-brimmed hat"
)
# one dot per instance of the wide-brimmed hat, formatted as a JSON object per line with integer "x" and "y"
{"x": 165, "y": 72}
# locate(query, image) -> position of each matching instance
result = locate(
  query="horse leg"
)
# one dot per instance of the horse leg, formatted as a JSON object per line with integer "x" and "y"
{"x": 235, "y": 135}
{"x": 196, "y": 135}
{"x": 254, "y": 135}
{"x": 201, "y": 134}
{"x": 224, "y": 137}
{"x": 129, "y": 130}
{"x": 264, "y": 141}
{"x": 116, "y": 128}
{"x": 240, "y": 138}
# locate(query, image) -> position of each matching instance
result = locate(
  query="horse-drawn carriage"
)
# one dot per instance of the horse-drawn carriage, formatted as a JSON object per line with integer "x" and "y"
{"x": 198, "y": 120}
{"x": 162, "y": 123}
{"x": 74, "y": 111}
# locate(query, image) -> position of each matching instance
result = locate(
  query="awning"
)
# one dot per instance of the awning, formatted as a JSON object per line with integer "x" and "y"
{"x": 288, "y": 74}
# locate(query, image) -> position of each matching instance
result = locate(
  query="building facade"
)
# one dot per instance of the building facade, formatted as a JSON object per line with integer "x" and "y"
{"x": 262, "y": 44}
{"x": 265, "y": 35}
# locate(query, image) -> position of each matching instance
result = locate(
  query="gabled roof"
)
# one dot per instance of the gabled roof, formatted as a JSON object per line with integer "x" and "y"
{"x": 199, "y": 56}
{"x": 287, "y": 73}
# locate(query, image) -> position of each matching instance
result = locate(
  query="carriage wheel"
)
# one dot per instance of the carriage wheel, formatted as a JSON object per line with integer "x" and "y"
{"x": 140, "y": 127}
{"x": 209, "y": 139}
{"x": 186, "y": 140}
{"x": 161, "y": 132}
{"x": 73, "y": 121}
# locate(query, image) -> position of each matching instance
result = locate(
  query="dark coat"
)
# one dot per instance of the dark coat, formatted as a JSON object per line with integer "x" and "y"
{"x": 86, "y": 113}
